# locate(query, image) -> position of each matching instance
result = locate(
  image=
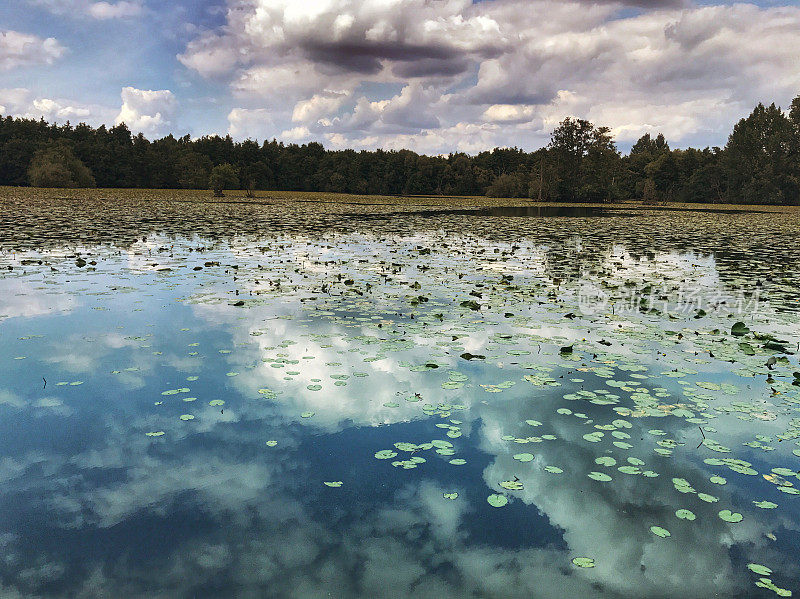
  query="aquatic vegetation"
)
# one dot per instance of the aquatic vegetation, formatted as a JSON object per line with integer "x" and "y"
{"x": 660, "y": 532}
{"x": 409, "y": 357}
{"x": 497, "y": 500}
{"x": 583, "y": 562}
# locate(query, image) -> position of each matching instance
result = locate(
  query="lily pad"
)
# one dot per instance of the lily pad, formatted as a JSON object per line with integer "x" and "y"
{"x": 730, "y": 516}
{"x": 583, "y": 562}
{"x": 496, "y": 500}
{"x": 660, "y": 532}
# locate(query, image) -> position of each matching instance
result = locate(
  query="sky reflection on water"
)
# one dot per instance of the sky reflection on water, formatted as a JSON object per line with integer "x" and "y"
{"x": 347, "y": 343}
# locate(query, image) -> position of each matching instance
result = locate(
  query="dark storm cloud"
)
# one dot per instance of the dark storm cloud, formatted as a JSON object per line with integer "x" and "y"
{"x": 366, "y": 56}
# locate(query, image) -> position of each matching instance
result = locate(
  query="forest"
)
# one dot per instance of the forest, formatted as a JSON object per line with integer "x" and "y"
{"x": 760, "y": 164}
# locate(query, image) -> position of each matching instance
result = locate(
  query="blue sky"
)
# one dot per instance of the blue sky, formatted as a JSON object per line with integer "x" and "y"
{"x": 434, "y": 76}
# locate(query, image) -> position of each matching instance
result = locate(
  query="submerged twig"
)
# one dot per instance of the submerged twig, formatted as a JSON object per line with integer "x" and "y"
{"x": 704, "y": 437}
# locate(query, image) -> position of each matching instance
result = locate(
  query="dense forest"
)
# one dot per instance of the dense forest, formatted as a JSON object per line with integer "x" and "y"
{"x": 760, "y": 164}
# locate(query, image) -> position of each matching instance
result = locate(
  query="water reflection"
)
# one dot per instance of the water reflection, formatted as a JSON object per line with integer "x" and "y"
{"x": 337, "y": 346}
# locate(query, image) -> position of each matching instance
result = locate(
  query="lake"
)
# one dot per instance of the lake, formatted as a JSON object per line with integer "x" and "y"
{"x": 307, "y": 398}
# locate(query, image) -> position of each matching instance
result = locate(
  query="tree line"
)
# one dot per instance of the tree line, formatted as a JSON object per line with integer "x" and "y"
{"x": 760, "y": 164}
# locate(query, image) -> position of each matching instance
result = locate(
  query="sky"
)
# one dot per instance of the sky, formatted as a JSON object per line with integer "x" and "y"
{"x": 434, "y": 76}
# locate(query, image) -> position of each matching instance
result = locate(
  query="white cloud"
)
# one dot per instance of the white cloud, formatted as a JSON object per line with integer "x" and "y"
{"x": 296, "y": 134}
{"x": 106, "y": 10}
{"x": 54, "y": 110}
{"x": 509, "y": 113}
{"x": 97, "y": 10}
{"x": 24, "y": 50}
{"x": 21, "y": 102}
{"x": 148, "y": 111}
{"x": 509, "y": 70}
{"x": 244, "y": 123}
{"x": 319, "y": 105}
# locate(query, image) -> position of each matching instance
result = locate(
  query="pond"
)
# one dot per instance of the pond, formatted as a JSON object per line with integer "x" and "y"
{"x": 294, "y": 401}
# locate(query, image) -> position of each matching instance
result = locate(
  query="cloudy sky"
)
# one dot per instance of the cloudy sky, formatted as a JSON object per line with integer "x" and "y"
{"x": 430, "y": 75}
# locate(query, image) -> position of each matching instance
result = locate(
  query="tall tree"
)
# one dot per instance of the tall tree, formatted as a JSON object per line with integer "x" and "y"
{"x": 758, "y": 159}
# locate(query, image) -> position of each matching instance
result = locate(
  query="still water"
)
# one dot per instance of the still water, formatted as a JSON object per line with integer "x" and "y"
{"x": 258, "y": 401}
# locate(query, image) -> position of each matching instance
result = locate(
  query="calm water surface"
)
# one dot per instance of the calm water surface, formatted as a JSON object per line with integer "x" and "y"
{"x": 273, "y": 402}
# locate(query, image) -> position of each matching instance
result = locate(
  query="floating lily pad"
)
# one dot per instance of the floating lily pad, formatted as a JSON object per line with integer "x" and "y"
{"x": 660, "y": 532}
{"x": 512, "y": 485}
{"x": 497, "y": 500}
{"x": 730, "y": 516}
{"x": 759, "y": 569}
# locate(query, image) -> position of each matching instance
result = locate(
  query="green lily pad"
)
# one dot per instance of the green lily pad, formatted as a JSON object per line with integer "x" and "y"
{"x": 730, "y": 516}
{"x": 496, "y": 500}
{"x": 759, "y": 569}
{"x": 512, "y": 485}
{"x": 660, "y": 532}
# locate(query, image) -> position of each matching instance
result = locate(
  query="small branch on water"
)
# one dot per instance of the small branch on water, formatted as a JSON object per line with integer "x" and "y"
{"x": 704, "y": 437}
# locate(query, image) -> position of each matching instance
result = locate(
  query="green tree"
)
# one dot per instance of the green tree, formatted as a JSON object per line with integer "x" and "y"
{"x": 759, "y": 160}
{"x": 644, "y": 151}
{"x": 708, "y": 183}
{"x": 569, "y": 144}
{"x": 601, "y": 168}
{"x": 586, "y": 161}
{"x": 663, "y": 172}
{"x": 794, "y": 115}
{"x": 57, "y": 166}
{"x": 193, "y": 170}
{"x": 223, "y": 176}
{"x": 794, "y": 118}
{"x": 507, "y": 186}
